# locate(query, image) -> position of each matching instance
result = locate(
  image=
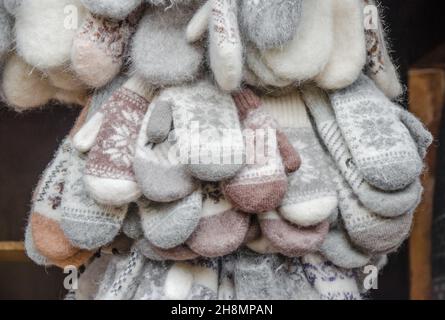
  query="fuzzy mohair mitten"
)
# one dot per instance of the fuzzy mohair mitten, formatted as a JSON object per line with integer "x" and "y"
{"x": 261, "y": 185}
{"x": 386, "y": 204}
{"x": 387, "y": 143}
{"x": 307, "y": 54}
{"x": 168, "y": 225}
{"x": 289, "y": 239}
{"x": 86, "y": 223}
{"x": 78, "y": 259}
{"x": 25, "y": 87}
{"x": 220, "y": 18}
{"x": 222, "y": 229}
{"x": 46, "y": 213}
{"x": 369, "y": 231}
{"x": 339, "y": 249}
{"x": 207, "y": 129}
{"x": 160, "y": 52}
{"x": 348, "y": 55}
{"x": 44, "y": 35}
{"x": 110, "y": 137}
{"x": 269, "y": 24}
{"x": 100, "y": 48}
{"x": 160, "y": 175}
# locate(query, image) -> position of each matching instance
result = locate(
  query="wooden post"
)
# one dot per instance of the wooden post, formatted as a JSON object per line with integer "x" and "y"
{"x": 426, "y": 101}
{"x": 12, "y": 252}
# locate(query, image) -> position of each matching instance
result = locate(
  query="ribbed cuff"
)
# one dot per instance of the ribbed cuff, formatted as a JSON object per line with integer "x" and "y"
{"x": 288, "y": 110}
{"x": 246, "y": 100}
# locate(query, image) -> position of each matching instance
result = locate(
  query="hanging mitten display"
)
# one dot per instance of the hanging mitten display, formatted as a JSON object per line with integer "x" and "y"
{"x": 227, "y": 149}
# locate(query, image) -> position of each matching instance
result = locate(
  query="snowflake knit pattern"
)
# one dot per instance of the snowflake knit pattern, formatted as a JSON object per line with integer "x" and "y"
{"x": 112, "y": 156}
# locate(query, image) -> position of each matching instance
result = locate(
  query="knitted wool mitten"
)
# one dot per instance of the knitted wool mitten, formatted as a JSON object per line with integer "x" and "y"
{"x": 255, "y": 239}
{"x": 311, "y": 196}
{"x": 386, "y": 204}
{"x": 111, "y": 136}
{"x": 261, "y": 186}
{"x": 43, "y": 36}
{"x": 46, "y": 213}
{"x": 220, "y": 18}
{"x": 207, "y": 130}
{"x": 225, "y": 47}
{"x": 160, "y": 53}
{"x": 348, "y": 55}
{"x": 87, "y": 224}
{"x": 221, "y": 229}
{"x": 369, "y": 231}
{"x": 100, "y": 47}
{"x": 380, "y": 140}
{"x": 24, "y": 87}
{"x": 169, "y": 225}
{"x": 291, "y": 240}
{"x": 161, "y": 177}
{"x": 77, "y": 260}
{"x": 307, "y": 54}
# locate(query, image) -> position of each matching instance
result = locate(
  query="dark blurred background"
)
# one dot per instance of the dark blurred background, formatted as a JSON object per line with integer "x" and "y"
{"x": 28, "y": 141}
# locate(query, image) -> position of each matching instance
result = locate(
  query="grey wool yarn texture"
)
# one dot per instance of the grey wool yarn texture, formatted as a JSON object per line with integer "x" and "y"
{"x": 226, "y": 149}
